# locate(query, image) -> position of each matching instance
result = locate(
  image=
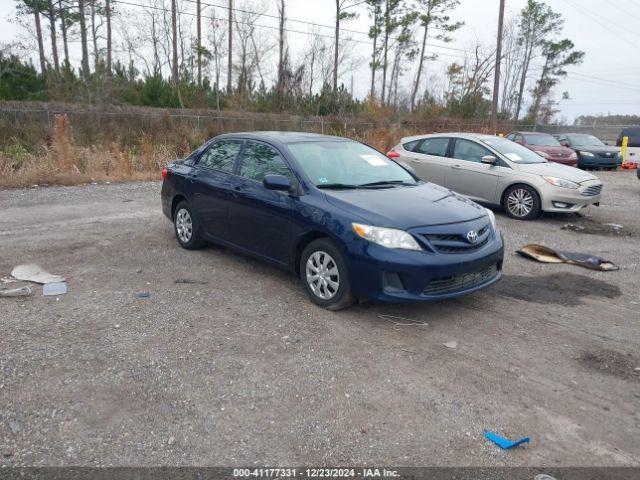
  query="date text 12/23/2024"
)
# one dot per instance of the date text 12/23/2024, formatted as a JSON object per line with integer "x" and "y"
{"x": 315, "y": 473}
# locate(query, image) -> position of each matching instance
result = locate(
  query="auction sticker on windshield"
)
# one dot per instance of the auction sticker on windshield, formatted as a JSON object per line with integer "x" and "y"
{"x": 374, "y": 161}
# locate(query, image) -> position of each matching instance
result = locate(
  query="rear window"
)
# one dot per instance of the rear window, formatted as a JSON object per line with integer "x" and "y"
{"x": 434, "y": 146}
{"x": 633, "y": 134}
{"x": 409, "y": 146}
{"x": 542, "y": 140}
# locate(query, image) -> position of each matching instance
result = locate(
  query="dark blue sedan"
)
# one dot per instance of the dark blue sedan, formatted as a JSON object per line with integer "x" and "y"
{"x": 350, "y": 222}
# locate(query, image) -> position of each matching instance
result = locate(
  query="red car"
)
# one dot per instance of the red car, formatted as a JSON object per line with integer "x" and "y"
{"x": 546, "y": 146}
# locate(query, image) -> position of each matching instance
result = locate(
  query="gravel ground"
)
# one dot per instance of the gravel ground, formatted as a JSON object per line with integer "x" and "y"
{"x": 239, "y": 368}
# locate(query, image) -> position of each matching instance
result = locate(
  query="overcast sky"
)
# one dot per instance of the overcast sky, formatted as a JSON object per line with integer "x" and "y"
{"x": 608, "y": 81}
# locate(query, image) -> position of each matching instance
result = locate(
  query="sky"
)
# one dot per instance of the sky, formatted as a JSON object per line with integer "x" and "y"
{"x": 607, "y": 82}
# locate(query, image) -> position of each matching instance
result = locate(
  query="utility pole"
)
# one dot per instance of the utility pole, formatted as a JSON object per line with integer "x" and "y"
{"x": 496, "y": 76}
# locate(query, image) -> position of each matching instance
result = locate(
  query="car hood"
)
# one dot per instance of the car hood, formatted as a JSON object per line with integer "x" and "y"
{"x": 552, "y": 169}
{"x": 553, "y": 151}
{"x": 406, "y": 207}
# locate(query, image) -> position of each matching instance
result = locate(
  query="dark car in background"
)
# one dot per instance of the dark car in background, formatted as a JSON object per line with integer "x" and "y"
{"x": 591, "y": 151}
{"x": 633, "y": 144}
{"x": 350, "y": 222}
{"x": 546, "y": 146}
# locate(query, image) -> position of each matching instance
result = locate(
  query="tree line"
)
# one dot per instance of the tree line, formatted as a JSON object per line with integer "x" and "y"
{"x": 186, "y": 53}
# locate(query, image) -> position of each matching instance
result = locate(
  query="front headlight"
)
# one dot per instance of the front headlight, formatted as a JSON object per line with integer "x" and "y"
{"x": 574, "y": 156}
{"x": 492, "y": 219}
{"x": 561, "y": 182}
{"x": 387, "y": 237}
{"x": 541, "y": 153}
{"x": 586, "y": 154}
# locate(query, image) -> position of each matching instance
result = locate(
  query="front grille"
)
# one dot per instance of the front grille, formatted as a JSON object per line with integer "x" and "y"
{"x": 592, "y": 191}
{"x": 457, "y": 243}
{"x": 460, "y": 282}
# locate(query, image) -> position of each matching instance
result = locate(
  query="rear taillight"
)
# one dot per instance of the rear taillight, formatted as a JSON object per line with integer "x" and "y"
{"x": 164, "y": 172}
{"x": 392, "y": 154}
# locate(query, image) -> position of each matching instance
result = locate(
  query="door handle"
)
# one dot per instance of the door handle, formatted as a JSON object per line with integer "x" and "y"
{"x": 236, "y": 191}
{"x": 192, "y": 175}
{"x": 457, "y": 167}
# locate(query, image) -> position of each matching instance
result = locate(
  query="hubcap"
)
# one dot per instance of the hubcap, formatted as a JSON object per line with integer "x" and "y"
{"x": 520, "y": 202}
{"x": 322, "y": 273}
{"x": 184, "y": 225}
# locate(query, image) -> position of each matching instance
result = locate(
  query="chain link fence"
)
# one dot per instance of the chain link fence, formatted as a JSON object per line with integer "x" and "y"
{"x": 33, "y": 125}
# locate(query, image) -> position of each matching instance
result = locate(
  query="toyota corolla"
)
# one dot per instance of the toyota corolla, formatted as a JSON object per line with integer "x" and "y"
{"x": 350, "y": 222}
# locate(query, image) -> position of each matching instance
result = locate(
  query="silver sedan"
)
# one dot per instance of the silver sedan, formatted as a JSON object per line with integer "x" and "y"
{"x": 496, "y": 171}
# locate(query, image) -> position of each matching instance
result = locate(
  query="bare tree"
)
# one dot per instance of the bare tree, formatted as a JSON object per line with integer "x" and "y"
{"x": 108, "y": 16}
{"x": 54, "y": 41}
{"x": 374, "y": 33}
{"x": 341, "y": 15}
{"x": 434, "y": 17}
{"x": 281, "y": 58}
{"x": 230, "y": 48}
{"x": 199, "y": 36}
{"x": 83, "y": 40}
{"x": 217, "y": 40}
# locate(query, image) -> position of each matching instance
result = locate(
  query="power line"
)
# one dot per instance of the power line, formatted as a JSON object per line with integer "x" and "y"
{"x": 321, "y": 25}
{"x": 163, "y": 9}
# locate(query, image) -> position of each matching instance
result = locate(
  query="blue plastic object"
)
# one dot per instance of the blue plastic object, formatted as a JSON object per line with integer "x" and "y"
{"x": 504, "y": 442}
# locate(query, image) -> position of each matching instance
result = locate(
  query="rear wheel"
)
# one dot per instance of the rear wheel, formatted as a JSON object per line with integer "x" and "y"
{"x": 324, "y": 275}
{"x": 187, "y": 227}
{"x": 522, "y": 202}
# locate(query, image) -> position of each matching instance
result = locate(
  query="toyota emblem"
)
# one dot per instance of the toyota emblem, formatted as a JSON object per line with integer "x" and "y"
{"x": 472, "y": 236}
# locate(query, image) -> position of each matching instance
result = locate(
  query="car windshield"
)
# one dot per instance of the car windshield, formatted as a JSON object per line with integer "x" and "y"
{"x": 340, "y": 164}
{"x": 584, "y": 140}
{"x": 513, "y": 151}
{"x": 542, "y": 140}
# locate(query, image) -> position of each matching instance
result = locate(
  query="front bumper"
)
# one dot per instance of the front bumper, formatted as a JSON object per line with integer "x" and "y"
{"x": 599, "y": 162}
{"x": 390, "y": 275}
{"x": 558, "y": 199}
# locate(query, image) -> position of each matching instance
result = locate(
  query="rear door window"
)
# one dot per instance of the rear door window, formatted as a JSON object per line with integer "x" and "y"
{"x": 434, "y": 146}
{"x": 469, "y": 151}
{"x": 221, "y": 155}
{"x": 259, "y": 160}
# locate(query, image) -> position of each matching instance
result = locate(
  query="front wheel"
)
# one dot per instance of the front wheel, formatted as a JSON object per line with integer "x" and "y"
{"x": 324, "y": 275}
{"x": 522, "y": 202}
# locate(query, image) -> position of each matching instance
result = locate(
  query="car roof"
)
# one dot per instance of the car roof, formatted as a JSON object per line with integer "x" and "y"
{"x": 283, "y": 137}
{"x": 467, "y": 135}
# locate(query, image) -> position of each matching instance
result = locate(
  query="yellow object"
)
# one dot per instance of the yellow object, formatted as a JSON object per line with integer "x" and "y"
{"x": 623, "y": 150}
{"x": 501, "y": 135}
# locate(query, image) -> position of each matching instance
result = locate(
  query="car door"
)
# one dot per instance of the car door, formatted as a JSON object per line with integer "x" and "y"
{"x": 428, "y": 159}
{"x": 468, "y": 175}
{"x": 260, "y": 219}
{"x": 212, "y": 183}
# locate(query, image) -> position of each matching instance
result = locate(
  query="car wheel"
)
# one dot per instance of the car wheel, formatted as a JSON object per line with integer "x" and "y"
{"x": 187, "y": 227}
{"x": 324, "y": 275}
{"x": 522, "y": 202}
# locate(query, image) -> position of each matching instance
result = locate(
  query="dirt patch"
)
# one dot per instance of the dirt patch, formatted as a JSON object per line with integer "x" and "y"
{"x": 612, "y": 362}
{"x": 592, "y": 227}
{"x": 559, "y": 288}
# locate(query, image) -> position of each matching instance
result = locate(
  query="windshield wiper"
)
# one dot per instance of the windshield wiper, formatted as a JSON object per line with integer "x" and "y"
{"x": 388, "y": 182}
{"x": 337, "y": 186}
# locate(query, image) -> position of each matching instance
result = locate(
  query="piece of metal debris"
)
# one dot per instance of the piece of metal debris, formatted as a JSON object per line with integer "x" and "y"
{"x": 34, "y": 273}
{"x": 15, "y": 292}
{"x": 54, "y": 288}
{"x": 14, "y": 426}
{"x": 142, "y": 294}
{"x": 401, "y": 321}
{"x": 504, "y": 443}
{"x": 451, "y": 344}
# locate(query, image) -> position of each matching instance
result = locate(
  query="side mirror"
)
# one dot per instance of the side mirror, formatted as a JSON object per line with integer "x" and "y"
{"x": 276, "y": 182}
{"x": 564, "y": 143}
{"x": 489, "y": 160}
